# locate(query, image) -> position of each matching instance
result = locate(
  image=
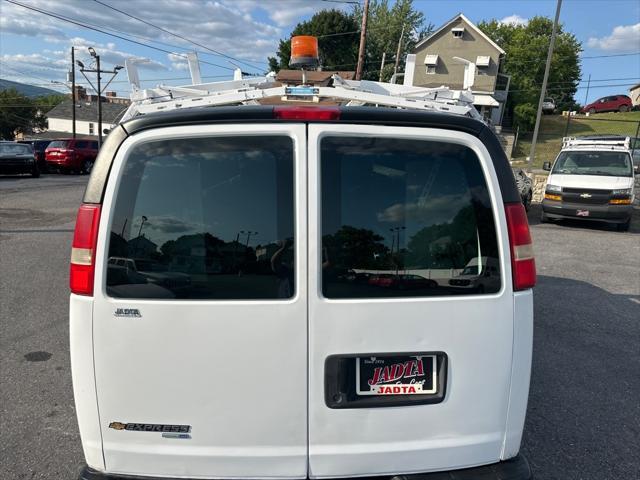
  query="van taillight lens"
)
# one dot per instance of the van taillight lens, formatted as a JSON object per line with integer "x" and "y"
{"x": 83, "y": 250}
{"x": 306, "y": 113}
{"x": 523, "y": 264}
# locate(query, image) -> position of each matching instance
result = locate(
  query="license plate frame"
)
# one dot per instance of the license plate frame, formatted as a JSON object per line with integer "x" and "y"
{"x": 340, "y": 382}
{"x": 396, "y": 375}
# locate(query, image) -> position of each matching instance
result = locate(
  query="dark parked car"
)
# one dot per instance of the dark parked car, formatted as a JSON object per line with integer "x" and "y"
{"x": 71, "y": 155}
{"x": 18, "y": 158}
{"x": 613, "y": 103}
{"x": 525, "y": 187}
{"x": 39, "y": 147}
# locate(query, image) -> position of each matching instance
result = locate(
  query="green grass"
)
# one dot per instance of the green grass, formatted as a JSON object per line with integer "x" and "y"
{"x": 553, "y": 128}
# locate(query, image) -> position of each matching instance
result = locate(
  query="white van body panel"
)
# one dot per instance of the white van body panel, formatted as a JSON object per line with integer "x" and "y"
{"x": 82, "y": 375}
{"x": 590, "y": 181}
{"x": 177, "y": 363}
{"x": 475, "y": 331}
{"x": 520, "y": 371}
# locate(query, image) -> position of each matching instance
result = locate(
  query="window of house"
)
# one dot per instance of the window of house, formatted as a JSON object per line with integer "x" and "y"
{"x": 431, "y": 62}
{"x": 457, "y": 32}
{"x": 482, "y": 64}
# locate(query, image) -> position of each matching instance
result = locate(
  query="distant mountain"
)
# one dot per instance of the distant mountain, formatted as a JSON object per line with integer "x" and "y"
{"x": 27, "y": 90}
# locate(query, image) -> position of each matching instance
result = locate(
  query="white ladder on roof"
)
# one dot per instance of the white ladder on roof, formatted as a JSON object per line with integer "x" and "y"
{"x": 250, "y": 91}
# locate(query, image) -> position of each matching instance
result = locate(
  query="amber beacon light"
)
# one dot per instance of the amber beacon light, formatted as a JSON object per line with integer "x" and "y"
{"x": 304, "y": 51}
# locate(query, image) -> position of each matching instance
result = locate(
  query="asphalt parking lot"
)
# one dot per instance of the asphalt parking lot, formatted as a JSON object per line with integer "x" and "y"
{"x": 584, "y": 415}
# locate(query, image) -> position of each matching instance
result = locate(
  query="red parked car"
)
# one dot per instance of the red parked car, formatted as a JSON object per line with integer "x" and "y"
{"x": 613, "y": 103}
{"x": 71, "y": 155}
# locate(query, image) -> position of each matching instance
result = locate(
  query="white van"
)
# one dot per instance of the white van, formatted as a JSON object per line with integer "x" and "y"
{"x": 591, "y": 179}
{"x": 274, "y": 360}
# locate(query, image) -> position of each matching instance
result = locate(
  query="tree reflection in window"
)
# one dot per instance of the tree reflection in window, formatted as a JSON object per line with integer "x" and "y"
{"x": 405, "y": 218}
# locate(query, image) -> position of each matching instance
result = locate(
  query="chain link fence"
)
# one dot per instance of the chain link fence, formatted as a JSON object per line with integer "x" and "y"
{"x": 554, "y": 128}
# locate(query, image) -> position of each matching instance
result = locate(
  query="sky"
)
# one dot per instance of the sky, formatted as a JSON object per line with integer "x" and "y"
{"x": 35, "y": 47}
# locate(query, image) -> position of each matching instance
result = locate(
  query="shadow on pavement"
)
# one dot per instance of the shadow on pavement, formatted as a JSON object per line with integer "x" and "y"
{"x": 583, "y": 415}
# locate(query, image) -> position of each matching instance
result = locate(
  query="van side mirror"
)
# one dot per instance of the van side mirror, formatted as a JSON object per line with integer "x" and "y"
{"x": 636, "y": 169}
{"x": 546, "y": 166}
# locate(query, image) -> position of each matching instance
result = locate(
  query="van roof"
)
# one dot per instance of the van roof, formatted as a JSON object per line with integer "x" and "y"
{"x": 265, "y": 114}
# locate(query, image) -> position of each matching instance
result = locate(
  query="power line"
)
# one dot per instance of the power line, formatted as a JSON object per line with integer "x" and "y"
{"x": 176, "y": 35}
{"x": 75, "y": 22}
{"x": 614, "y": 55}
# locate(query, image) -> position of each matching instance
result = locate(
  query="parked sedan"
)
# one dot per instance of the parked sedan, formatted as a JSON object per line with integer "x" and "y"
{"x": 39, "y": 147}
{"x": 613, "y": 103}
{"x": 18, "y": 158}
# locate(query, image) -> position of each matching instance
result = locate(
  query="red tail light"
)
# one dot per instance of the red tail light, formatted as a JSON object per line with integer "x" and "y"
{"x": 83, "y": 251}
{"x": 523, "y": 264}
{"x": 306, "y": 113}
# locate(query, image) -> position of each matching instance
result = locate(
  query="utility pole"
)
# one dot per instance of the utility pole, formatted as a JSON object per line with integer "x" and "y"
{"x": 97, "y": 57}
{"x": 99, "y": 89}
{"x": 73, "y": 91}
{"x": 395, "y": 68}
{"x": 543, "y": 91}
{"x": 363, "y": 38}
{"x": 384, "y": 56}
{"x": 586, "y": 97}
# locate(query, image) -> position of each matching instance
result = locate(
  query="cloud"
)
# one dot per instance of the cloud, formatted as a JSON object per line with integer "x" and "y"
{"x": 213, "y": 24}
{"x": 178, "y": 62}
{"x": 109, "y": 54}
{"x": 623, "y": 38}
{"x": 170, "y": 224}
{"x": 286, "y": 14}
{"x": 440, "y": 209}
{"x": 514, "y": 20}
{"x": 29, "y": 27}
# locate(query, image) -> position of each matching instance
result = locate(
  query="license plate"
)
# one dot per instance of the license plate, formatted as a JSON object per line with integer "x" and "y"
{"x": 582, "y": 213}
{"x": 397, "y": 375}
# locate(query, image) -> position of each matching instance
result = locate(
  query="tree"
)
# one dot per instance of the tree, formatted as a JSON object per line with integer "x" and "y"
{"x": 526, "y": 53}
{"x": 335, "y": 50}
{"x": 17, "y": 113}
{"x": 339, "y": 37}
{"x": 384, "y": 27}
{"x": 45, "y": 103}
{"x": 21, "y": 114}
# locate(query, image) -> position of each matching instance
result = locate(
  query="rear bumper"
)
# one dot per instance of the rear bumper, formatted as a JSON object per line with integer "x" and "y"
{"x": 602, "y": 213}
{"x": 10, "y": 168}
{"x": 513, "y": 469}
{"x": 62, "y": 163}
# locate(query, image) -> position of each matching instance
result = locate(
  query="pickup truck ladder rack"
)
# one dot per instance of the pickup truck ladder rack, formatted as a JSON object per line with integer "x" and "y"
{"x": 613, "y": 143}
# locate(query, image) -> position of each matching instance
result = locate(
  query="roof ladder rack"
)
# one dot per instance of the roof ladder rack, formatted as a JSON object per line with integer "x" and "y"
{"x": 254, "y": 89}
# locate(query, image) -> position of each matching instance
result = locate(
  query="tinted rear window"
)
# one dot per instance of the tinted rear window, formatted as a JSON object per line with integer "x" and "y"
{"x": 15, "y": 149}
{"x": 59, "y": 144}
{"x": 207, "y": 218}
{"x": 405, "y": 218}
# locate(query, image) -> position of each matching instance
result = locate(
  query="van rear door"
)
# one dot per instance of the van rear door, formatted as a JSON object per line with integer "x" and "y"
{"x": 411, "y": 374}
{"x": 200, "y": 335}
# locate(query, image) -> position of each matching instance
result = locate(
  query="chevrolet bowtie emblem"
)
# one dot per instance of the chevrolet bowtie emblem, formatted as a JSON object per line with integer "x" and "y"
{"x": 585, "y": 195}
